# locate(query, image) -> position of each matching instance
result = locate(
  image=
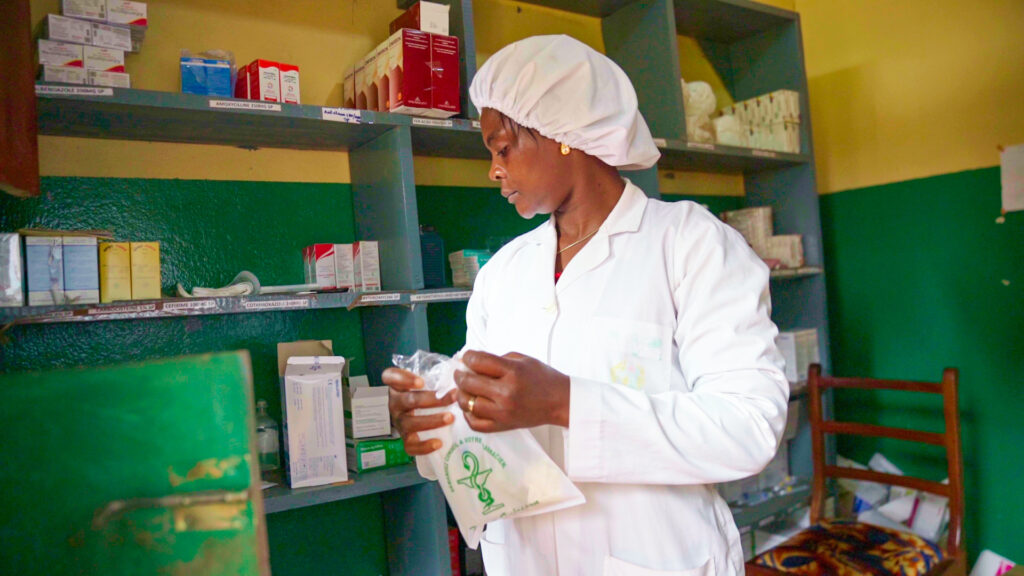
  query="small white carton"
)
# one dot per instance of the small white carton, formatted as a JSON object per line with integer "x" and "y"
{"x": 63, "y": 74}
{"x": 12, "y": 274}
{"x": 127, "y": 12}
{"x": 366, "y": 409}
{"x": 755, "y": 224}
{"x": 45, "y": 270}
{"x": 366, "y": 261}
{"x": 314, "y": 421}
{"x": 68, "y": 29}
{"x": 344, "y": 267}
{"x": 788, "y": 249}
{"x": 112, "y": 79}
{"x": 57, "y": 53}
{"x": 86, "y": 9}
{"x": 110, "y": 36}
{"x": 81, "y": 270}
{"x": 800, "y": 349}
{"x": 103, "y": 59}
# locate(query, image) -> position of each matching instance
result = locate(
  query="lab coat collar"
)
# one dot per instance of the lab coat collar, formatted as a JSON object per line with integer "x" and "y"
{"x": 624, "y": 217}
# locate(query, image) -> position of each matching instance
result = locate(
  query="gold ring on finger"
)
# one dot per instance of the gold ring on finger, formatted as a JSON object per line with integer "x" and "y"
{"x": 471, "y": 404}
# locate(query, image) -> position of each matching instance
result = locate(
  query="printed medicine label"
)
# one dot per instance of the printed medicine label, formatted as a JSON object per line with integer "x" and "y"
{"x": 700, "y": 145}
{"x": 764, "y": 153}
{"x": 366, "y": 298}
{"x": 191, "y": 305}
{"x": 106, "y": 311}
{"x": 346, "y": 115}
{"x": 243, "y": 105}
{"x": 73, "y": 91}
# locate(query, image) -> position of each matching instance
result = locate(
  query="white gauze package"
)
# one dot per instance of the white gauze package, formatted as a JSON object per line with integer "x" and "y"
{"x": 486, "y": 476}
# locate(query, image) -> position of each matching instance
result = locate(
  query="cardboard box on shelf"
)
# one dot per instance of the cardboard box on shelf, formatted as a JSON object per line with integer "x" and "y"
{"x": 444, "y": 76}
{"x": 85, "y": 9}
{"x": 366, "y": 408}
{"x": 57, "y": 53}
{"x": 65, "y": 29}
{"x": 289, "y": 83}
{"x": 348, "y": 88}
{"x": 63, "y": 74}
{"x": 787, "y": 249}
{"x": 344, "y": 267}
{"x": 359, "y": 83}
{"x": 111, "y": 36}
{"x": 264, "y": 80}
{"x": 44, "y": 270}
{"x": 12, "y": 274}
{"x": 115, "y": 271}
{"x": 112, "y": 79}
{"x": 320, "y": 266}
{"x": 206, "y": 76}
{"x": 242, "y": 83}
{"x": 755, "y": 224}
{"x": 365, "y": 454}
{"x": 376, "y": 74}
{"x": 408, "y": 71}
{"x": 81, "y": 270}
{"x": 104, "y": 59}
{"x": 312, "y": 413}
{"x": 127, "y": 13}
{"x": 799, "y": 348}
{"x": 430, "y": 17}
{"x": 465, "y": 266}
{"x": 366, "y": 263}
{"x": 145, "y": 270}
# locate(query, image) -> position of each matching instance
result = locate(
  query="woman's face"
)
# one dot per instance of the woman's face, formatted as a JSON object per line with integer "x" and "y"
{"x": 533, "y": 175}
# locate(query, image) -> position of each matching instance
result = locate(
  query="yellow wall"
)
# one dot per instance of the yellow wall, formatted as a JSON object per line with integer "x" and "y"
{"x": 915, "y": 88}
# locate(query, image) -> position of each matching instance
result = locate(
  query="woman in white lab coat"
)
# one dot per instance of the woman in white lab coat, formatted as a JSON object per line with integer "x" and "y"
{"x": 631, "y": 336}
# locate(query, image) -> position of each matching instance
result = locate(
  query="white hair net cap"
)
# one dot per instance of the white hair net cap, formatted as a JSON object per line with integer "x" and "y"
{"x": 570, "y": 93}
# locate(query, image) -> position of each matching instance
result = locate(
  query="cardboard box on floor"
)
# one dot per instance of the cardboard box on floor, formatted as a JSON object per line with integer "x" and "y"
{"x": 317, "y": 426}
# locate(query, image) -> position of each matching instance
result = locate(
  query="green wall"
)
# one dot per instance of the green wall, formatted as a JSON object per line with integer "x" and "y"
{"x": 921, "y": 276}
{"x": 209, "y": 231}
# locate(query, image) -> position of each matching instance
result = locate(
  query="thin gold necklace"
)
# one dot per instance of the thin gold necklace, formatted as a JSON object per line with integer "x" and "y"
{"x": 580, "y": 240}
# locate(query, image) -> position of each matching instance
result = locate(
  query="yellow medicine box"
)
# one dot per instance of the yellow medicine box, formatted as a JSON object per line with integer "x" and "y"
{"x": 115, "y": 271}
{"x": 145, "y": 270}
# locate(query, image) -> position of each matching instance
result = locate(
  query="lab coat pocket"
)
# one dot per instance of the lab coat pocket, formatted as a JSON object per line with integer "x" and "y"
{"x": 494, "y": 551}
{"x": 634, "y": 354}
{"x": 615, "y": 567}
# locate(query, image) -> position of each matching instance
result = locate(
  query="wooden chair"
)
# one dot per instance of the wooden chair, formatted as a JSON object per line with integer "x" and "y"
{"x": 840, "y": 548}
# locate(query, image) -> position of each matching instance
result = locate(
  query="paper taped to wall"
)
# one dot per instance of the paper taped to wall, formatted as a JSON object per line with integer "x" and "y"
{"x": 1011, "y": 159}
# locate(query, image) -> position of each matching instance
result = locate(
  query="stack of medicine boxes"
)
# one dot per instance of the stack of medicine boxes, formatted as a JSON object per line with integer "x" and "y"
{"x": 770, "y": 121}
{"x": 87, "y": 41}
{"x": 75, "y": 268}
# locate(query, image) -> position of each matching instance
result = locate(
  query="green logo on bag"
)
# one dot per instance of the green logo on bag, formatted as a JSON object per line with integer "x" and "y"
{"x": 476, "y": 480}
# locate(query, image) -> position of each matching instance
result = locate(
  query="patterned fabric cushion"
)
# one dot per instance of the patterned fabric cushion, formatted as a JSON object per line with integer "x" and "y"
{"x": 839, "y": 548}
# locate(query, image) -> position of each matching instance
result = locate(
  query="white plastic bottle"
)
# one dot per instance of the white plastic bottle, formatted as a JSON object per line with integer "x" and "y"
{"x": 267, "y": 439}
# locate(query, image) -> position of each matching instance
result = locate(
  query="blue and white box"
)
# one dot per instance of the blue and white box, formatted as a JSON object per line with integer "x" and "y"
{"x": 81, "y": 270}
{"x": 44, "y": 264}
{"x": 206, "y": 76}
{"x": 12, "y": 276}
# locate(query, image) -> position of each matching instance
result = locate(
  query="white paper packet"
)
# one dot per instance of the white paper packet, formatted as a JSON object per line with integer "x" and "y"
{"x": 484, "y": 476}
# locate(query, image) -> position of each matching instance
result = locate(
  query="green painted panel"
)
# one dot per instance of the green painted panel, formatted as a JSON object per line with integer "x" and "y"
{"x": 78, "y": 440}
{"x": 209, "y": 231}
{"x": 345, "y": 537}
{"x": 920, "y": 276}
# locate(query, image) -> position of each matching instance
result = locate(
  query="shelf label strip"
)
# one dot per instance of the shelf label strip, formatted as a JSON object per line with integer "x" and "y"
{"x": 701, "y": 145}
{"x": 289, "y": 304}
{"x": 130, "y": 309}
{"x": 190, "y": 305}
{"x": 245, "y": 105}
{"x": 73, "y": 91}
{"x": 346, "y": 115}
{"x": 373, "y": 298}
{"x": 660, "y": 142}
{"x": 764, "y": 153}
{"x": 431, "y": 122}
{"x": 456, "y": 295}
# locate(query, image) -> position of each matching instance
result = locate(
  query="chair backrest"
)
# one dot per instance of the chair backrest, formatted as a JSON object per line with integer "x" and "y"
{"x": 950, "y": 439}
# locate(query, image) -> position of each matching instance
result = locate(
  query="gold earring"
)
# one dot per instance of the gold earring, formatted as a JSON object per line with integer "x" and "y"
{"x": 565, "y": 150}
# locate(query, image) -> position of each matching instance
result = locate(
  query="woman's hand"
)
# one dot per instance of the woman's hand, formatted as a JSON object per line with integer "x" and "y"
{"x": 406, "y": 395}
{"x": 511, "y": 391}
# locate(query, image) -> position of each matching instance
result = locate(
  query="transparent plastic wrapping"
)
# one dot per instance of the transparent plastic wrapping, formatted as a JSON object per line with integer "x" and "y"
{"x": 486, "y": 477}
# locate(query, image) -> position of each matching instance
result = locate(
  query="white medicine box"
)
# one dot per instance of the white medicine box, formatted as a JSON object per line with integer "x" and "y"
{"x": 313, "y": 414}
{"x": 366, "y": 408}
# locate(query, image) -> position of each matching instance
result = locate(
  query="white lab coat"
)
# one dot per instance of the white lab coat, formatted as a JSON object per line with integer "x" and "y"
{"x": 662, "y": 321}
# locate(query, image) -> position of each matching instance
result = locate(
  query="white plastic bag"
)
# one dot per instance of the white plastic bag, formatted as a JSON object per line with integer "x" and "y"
{"x": 486, "y": 476}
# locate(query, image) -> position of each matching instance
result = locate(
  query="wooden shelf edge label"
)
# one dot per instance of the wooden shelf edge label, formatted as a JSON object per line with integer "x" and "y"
{"x": 127, "y": 309}
{"x": 46, "y": 90}
{"x": 764, "y": 153}
{"x": 245, "y": 105}
{"x": 189, "y": 305}
{"x": 364, "y": 299}
{"x": 346, "y": 115}
{"x": 701, "y": 146}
